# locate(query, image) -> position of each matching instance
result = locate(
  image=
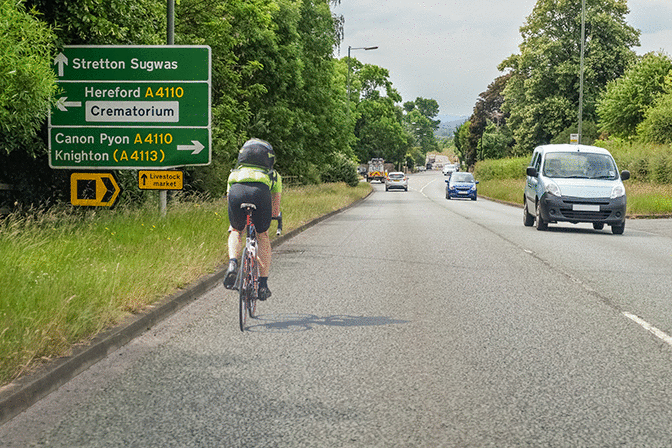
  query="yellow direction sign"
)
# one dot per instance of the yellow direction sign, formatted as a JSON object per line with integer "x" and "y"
{"x": 94, "y": 189}
{"x": 160, "y": 180}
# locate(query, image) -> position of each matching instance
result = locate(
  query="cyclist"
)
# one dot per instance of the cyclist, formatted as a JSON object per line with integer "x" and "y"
{"x": 253, "y": 180}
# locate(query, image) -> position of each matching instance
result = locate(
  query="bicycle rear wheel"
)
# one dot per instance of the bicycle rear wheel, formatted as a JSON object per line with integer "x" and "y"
{"x": 244, "y": 290}
{"x": 253, "y": 290}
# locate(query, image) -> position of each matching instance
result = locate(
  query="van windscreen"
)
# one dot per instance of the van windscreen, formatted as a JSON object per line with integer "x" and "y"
{"x": 579, "y": 165}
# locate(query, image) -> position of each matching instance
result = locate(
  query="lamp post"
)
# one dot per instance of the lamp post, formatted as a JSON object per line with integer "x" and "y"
{"x": 583, "y": 43}
{"x": 348, "y": 75}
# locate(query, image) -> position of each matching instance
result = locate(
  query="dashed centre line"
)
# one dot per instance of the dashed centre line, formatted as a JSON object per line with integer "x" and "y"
{"x": 650, "y": 328}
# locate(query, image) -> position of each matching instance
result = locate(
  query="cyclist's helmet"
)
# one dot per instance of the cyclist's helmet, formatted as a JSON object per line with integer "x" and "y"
{"x": 257, "y": 152}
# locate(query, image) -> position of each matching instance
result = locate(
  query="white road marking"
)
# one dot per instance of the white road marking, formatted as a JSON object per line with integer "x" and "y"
{"x": 422, "y": 190}
{"x": 647, "y": 326}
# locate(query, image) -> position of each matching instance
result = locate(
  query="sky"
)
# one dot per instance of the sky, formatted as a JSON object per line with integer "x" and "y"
{"x": 449, "y": 50}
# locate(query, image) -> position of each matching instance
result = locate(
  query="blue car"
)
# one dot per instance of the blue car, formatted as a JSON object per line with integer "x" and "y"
{"x": 461, "y": 185}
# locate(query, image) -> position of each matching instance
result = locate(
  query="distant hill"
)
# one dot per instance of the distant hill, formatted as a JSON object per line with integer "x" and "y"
{"x": 448, "y": 124}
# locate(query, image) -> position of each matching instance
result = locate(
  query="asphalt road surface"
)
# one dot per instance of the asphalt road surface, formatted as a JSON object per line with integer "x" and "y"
{"x": 407, "y": 321}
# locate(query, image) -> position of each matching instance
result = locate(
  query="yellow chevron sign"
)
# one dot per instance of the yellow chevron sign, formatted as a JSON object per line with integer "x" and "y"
{"x": 94, "y": 189}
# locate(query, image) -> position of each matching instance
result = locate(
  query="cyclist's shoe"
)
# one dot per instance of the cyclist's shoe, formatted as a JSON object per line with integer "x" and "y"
{"x": 264, "y": 293}
{"x": 231, "y": 274}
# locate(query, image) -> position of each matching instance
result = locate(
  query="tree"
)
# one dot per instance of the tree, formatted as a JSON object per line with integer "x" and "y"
{"x": 461, "y": 142}
{"x": 542, "y": 95}
{"x": 105, "y": 22}
{"x": 623, "y": 105}
{"x": 657, "y": 124}
{"x": 379, "y": 128}
{"x": 495, "y": 142}
{"x": 488, "y": 109}
{"x": 420, "y": 119}
{"x": 27, "y": 83}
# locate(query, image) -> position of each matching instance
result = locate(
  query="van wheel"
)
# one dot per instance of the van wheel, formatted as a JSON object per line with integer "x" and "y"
{"x": 541, "y": 224}
{"x": 528, "y": 220}
{"x": 619, "y": 229}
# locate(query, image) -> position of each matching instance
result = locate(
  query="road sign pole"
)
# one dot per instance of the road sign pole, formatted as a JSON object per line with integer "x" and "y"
{"x": 170, "y": 37}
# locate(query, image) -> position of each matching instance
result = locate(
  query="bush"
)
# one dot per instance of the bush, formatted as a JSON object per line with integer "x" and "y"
{"x": 661, "y": 169}
{"x": 501, "y": 169}
{"x": 27, "y": 82}
{"x": 657, "y": 124}
{"x": 646, "y": 162}
{"x": 341, "y": 169}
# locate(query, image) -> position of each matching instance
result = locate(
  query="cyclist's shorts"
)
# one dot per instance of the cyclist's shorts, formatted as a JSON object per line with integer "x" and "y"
{"x": 256, "y": 193}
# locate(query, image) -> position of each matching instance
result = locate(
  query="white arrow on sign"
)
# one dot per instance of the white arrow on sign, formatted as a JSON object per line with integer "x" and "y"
{"x": 60, "y": 59}
{"x": 63, "y": 105}
{"x": 197, "y": 147}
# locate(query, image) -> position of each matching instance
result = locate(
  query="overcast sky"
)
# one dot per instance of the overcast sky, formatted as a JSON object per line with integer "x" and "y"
{"x": 449, "y": 50}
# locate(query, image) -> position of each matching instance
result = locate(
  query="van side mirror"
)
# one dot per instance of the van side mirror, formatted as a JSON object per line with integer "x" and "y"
{"x": 531, "y": 171}
{"x": 625, "y": 175}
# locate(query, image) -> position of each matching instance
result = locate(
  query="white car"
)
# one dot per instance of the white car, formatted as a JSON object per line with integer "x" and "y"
{"x": 396, "y": 179}
{"x": 449, "y": 169}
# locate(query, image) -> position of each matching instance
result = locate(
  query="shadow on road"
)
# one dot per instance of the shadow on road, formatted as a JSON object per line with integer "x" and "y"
{"x": 287, "y": 323}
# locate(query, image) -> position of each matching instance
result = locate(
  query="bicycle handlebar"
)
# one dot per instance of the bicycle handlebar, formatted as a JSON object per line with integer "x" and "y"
{"x": 279, "y": 219}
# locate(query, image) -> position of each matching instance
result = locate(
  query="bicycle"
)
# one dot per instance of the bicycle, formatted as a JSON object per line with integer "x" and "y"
{"x": 247, "y": 280}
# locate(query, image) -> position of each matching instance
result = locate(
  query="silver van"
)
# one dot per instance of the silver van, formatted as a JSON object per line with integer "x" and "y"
{"x": 574, "y": 183}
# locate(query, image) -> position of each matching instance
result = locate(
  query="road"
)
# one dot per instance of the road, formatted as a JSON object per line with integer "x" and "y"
{"x": 407, "y": 321}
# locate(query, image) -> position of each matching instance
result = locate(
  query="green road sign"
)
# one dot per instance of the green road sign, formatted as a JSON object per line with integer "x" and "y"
{"x": 133, "y": 63}
{"x": 128, "y": 148}
{"x": 128, "y": 107}
{"x": 139, "y": 104}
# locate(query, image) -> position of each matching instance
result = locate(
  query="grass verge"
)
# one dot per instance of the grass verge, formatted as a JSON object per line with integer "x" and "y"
{"x": 65, "y": 278}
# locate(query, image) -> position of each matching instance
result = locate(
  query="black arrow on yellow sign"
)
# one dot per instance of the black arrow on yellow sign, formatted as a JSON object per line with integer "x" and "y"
{"x": 94, "y": 189}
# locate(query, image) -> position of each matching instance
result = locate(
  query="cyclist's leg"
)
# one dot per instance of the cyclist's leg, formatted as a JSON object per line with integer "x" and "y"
{"x": 237, "y": 195}
{"x": 236, "y": 242}
{"x": 264, "y": 254}
{"x": 264, "y": 257}
{"x": 262, "y": 221}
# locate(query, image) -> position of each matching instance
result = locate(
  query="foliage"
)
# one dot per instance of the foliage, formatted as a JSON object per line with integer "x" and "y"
{"x": 27, "y": 83}
{"x": 494, "y": 142}
{"x": 379, "y": 127}
{"x": 657, "y": 124}
{"x": 105, "y": 22}
{"x": 509, "y": 168}
{"x": 488, "y": 109}
{"x": 341, "y": 169}
{"x": 651, "y": 163}
{"x": 420, "y": 121}
{"x": 542, "y": 95}
{"x": 461, "y": 141}
{"x": 623, "y": 105}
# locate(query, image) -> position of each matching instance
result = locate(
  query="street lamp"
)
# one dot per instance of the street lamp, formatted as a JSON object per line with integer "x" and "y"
{"x": 348, "y": 75}
{"x": 583, "y": 43}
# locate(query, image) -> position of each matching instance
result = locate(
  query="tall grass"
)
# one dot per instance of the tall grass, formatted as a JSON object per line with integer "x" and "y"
{"x": 66, "y": 276}
{"x": 648, "y": 199}
{"x": 646, "y": 162}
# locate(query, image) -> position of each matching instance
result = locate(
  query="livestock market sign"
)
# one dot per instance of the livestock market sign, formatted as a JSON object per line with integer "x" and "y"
{"x": 131, "y": 107}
